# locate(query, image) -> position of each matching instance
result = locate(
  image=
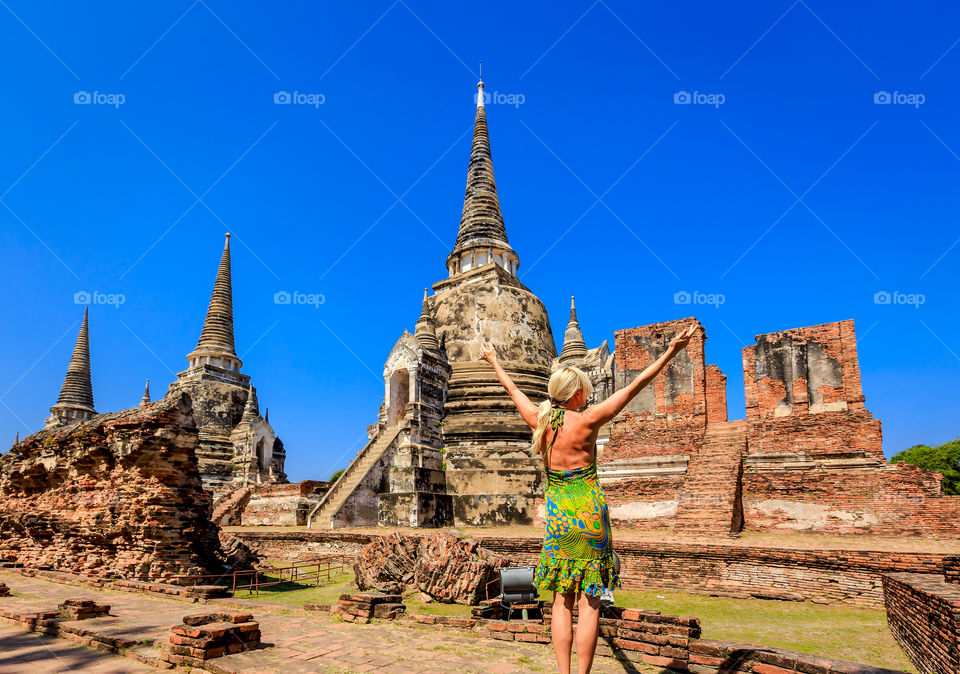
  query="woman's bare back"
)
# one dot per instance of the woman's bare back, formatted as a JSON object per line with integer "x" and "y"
{"x": 575, "y": 445}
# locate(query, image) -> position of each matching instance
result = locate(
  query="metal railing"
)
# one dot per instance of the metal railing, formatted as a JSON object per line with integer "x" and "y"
{"x": 254, "y": 580}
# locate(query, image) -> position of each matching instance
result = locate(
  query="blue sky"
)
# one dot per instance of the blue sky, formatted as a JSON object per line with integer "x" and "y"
{"x": 781, "y": 186}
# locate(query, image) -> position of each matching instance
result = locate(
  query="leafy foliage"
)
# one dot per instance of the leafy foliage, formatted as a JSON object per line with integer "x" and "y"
{"x": 944, "y": 459}
{"x": 336, "y": 475}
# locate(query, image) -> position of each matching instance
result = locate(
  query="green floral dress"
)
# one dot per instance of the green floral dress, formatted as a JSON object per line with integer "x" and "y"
{"x": 577, "y": 554}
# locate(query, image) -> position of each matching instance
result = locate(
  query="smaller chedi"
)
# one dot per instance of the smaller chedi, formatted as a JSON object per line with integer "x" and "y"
{"x": 238, "y": 446}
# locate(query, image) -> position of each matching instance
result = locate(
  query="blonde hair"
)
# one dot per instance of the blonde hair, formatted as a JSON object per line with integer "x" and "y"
{"x": 563, "y": 385}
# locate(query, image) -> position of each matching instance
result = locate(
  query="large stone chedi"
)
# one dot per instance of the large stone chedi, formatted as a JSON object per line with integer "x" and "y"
{"x": 490, "y": 472}
{"x": 238, "y": 446}
{"x": 449, "y": 445}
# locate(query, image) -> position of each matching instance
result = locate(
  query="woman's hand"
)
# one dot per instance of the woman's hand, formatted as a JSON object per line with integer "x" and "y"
{"x": 488, "y": 353}
{"x": 680, "y": 341}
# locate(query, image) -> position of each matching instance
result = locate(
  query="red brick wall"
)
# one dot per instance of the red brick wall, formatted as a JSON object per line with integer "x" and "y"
{"x": 829, "y": 576}
{"x": 923, "y": 613}
{"x": 642, "y": 503}
{"x": 716, "y": 391}
{"x": 803, "y": 393}
{"x": 898, "y": 499}
{"x": 669, "y": 417}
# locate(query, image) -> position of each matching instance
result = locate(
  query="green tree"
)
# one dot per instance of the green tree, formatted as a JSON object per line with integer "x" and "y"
{"x": 944, "y": 459}
{"x": 336, "y": 475}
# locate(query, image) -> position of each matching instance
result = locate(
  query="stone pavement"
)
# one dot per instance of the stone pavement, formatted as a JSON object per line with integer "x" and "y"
{"x": 22, "y": 651}
{"x": 296, "y": 642}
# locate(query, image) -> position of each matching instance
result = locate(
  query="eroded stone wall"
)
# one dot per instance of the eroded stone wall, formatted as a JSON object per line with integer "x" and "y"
{"x": 803, "y": 394}
{"x": 282, "y": 504}
{"x": 119, "y": 495}
{"x": 923, "y": 612}
{"x": 669, "y": 416}
{"x": 894, "y": 499}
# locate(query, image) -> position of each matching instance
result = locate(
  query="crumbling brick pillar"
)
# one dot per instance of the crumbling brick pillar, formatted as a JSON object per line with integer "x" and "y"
{"x": 82, "y": 609}
{"x": 204, "y": 636}
{"x": 361, "y": 607}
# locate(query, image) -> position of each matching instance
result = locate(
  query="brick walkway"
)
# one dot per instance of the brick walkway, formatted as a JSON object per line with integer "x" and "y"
{"x": 28, "y": 652}
{"x": 297, "y": 642}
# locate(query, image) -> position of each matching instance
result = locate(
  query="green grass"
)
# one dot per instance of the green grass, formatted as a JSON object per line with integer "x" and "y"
{"x": 833, "y": 631}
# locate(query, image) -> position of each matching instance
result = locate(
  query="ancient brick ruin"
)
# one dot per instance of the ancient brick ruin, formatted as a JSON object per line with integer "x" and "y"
{"x": 807, "y": 457}
{"x": 449, "y": 448}
{"x": 238, "y": 446}
{"x": 923, "y": 612}
{"x": 117, "y": 495}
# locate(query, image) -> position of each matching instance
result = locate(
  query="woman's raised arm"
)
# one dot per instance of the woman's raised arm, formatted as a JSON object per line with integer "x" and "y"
{"x": 599, "y": 414}
{"x": 526, "y": 408}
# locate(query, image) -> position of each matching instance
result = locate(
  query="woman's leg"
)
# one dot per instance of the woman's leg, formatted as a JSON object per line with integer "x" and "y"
{"x": 588, "y": 624}
{"x": 561, "y": 627}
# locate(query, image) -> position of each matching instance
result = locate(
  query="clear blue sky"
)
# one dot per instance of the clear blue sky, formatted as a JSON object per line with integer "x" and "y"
{"x": 132, "y": 195}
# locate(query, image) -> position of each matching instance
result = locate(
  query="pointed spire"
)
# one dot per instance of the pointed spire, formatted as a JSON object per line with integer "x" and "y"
{"x": 16, "y": 440}
{"x": 251, "y": 410}
{"x": 76, "y": 394}
{"x": 481, "y": 223}
{"x": 216, "y": 345}
{"x": 573, "y": 345}
{"x": 145, "y": 400}
{"x": 266, "y": 415}
{"x": 426, "y": 330}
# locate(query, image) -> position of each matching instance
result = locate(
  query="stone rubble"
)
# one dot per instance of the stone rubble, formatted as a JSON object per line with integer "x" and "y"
{"x": 447, "y": 568}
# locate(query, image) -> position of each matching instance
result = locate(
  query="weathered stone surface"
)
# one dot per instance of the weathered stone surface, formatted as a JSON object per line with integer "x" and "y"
{"x": 455, "y": 570}
{"x": 923, "y": 612}
{"x": 118, "y": 495}
{"x": 386, "y": 564}
{"x": 446, "y": 567}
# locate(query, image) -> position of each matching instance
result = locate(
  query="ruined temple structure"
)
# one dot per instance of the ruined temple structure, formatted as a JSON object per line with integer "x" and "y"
{"x": 807, "y": 457}
{"x": 118, "y": 494}
{"x": 238, "y": 446}
{"x": 448, "y": 446}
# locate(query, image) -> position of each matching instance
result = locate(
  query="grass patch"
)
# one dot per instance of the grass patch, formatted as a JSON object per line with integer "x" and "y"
{"x": 832, "y": 631}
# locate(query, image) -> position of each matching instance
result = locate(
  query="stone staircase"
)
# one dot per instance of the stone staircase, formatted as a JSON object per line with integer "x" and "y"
{"x": 321, "y": 517}
{"x": 710, "y": 501}
{"x": 228, "y": 510}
